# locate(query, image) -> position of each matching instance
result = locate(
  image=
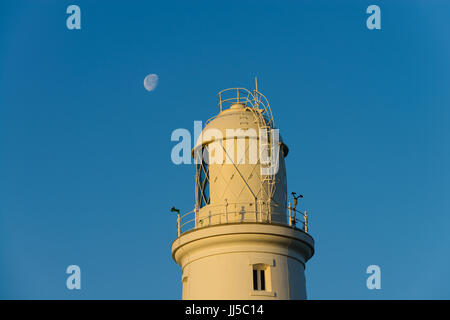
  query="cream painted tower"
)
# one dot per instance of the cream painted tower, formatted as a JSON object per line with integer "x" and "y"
{"x": 242, "y": 240}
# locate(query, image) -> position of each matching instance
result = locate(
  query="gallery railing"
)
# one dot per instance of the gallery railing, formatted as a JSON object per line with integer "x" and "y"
{"x": 235, "y": 213}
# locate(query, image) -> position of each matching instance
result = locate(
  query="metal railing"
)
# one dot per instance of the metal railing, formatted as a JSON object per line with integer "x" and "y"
{"x": 236, "y": 213}
{"x": 252, "y": 99}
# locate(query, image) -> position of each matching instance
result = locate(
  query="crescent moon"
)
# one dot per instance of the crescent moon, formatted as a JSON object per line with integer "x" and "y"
{"x": 151, "y": 81}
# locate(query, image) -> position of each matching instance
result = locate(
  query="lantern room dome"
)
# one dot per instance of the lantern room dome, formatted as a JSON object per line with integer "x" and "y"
{"x": 238, "y": 116}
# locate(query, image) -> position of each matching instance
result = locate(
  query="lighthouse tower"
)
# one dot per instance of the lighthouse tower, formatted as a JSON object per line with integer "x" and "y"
{"x": 242, "y": 240}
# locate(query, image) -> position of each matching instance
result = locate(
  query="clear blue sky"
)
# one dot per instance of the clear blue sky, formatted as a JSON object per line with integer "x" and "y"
{"x": 85, "y": 170}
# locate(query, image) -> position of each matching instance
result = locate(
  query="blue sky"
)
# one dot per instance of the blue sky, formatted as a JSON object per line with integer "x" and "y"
{"x": 85, "y": 171}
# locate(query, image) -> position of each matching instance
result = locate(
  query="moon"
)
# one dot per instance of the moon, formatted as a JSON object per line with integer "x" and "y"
{"x": 151, "y": 81}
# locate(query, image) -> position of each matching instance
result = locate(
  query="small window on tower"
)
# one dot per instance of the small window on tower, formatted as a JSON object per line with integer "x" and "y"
{"x": 259, "y": 277}
{"x": 202, "y": 177}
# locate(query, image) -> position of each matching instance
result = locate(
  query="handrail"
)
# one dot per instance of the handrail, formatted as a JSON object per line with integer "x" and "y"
{"x": 187, "y": 214}
{"x": 234, "y": 213}
{"x": 253, "y": 99}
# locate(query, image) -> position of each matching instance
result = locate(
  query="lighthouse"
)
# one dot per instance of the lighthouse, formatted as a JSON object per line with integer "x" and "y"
{"x": 242, "y": 240}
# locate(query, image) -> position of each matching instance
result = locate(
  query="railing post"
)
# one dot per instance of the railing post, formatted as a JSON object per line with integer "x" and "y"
{"x": 290, "y": 214}
{"x": 226, "y": 210}
{"x": 178, "y": 225}
{"x": 196, "y": 215}
{"x": 306, "y": 222}
{"x": 262, "y": 209}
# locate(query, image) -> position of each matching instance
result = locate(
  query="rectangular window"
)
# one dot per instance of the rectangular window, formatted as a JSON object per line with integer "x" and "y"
{"x": 202, "y": 179}
{"x": 259, "y": 278}
{"x": 263, "y": 280}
